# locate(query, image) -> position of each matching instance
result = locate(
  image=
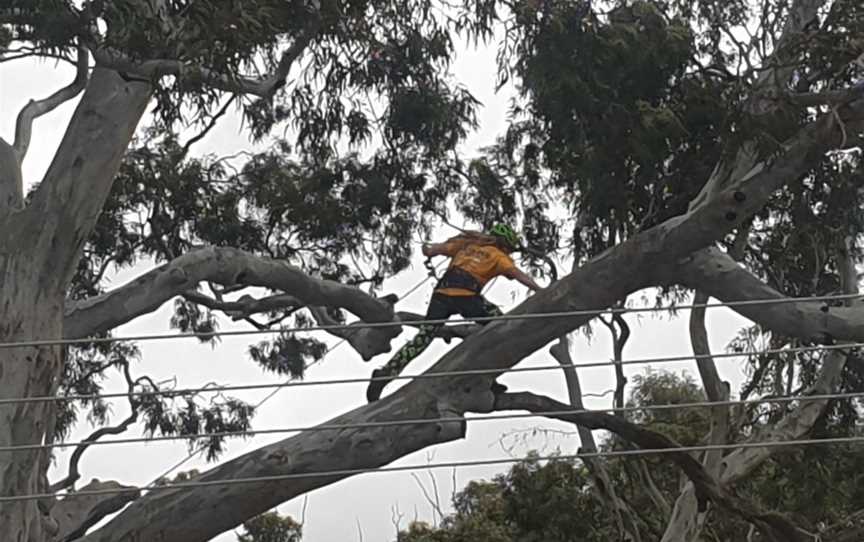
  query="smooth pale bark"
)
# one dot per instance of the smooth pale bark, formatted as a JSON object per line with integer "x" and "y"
{"x": 201, "y": 513}
{"x": 368, "y": 342}
{"x": 740, "y": 463}
{"x": 720, "y": 276}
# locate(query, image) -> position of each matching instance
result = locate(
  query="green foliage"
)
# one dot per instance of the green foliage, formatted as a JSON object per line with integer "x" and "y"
{"x": 612, "y": 122}
{"x": 288, "y": 354}
{"x": 184, "y": 415}
{"x": 191, "y": 318}
{"x": 271, "y": 527}
{"x": 686, "y": 426}
{"x": 531, "y": 503}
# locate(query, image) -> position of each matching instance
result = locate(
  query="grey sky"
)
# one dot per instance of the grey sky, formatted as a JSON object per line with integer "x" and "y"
{"x": 335, "y": 512}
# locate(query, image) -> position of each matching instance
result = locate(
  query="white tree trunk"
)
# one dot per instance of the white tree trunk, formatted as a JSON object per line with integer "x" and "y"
{"x": 26, "y": 311}
{"x": 39, "y": 248}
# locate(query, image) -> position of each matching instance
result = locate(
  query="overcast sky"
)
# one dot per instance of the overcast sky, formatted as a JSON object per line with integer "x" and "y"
{"x": 369, "y": 503}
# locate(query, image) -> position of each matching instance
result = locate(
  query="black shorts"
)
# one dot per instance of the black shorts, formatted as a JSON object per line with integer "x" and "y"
{"x": 443, "y": 306}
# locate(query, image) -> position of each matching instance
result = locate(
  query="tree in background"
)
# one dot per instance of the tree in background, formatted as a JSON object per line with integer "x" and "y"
{"x": 271, "y": 527}
{"x": 691, "y": 146}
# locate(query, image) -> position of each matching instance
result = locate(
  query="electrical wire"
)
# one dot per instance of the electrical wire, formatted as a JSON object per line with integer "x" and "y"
{"x": 453, "y": 464}
{"x": 429, "y": 375}
{"x": 278, "y": 387}
{"x": 446, "y": 322}
{"x": 428, "y": 421}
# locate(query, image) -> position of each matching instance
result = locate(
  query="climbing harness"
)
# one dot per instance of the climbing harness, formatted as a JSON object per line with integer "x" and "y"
{"x": 455, "y": 277}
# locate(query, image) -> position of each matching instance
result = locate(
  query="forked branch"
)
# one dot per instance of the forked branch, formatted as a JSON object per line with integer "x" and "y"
{"x": 74, "y": 474}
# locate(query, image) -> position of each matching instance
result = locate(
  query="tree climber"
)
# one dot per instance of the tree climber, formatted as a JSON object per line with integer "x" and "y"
{"x": 475, "y": 260}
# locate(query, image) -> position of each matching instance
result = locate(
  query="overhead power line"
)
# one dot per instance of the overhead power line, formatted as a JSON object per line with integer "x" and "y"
{"x": 453, "y": 464}
{"x": 427, "y": 375}
{"x": 447, "y": 322}
{"x": 430, "y": 421}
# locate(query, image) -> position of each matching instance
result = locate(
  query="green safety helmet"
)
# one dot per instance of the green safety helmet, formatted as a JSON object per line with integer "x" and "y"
{"x": 508, "y": 234}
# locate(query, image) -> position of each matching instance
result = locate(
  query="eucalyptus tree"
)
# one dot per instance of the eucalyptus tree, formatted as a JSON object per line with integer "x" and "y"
{"x": 683, "y": 139}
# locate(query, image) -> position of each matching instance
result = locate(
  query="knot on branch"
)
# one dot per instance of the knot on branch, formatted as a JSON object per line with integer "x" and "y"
{"x": 450, "y": 430}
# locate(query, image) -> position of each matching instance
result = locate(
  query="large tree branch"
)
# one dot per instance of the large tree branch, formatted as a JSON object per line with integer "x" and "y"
{"x": 37, "y": 108}
{"x": 718, "y": 275}
{"x": 716, "y": 389}
{"x": 192, "y": 73}
{"x": 707, "y": 488}
{"x": 833, "y": 98}
{"x": 779, "y": 68}
{"x": 225, "y": 266}
{"x": 246, "y": 305}
{"x": 200, "y": 513}
{"x": 368, "y": 342}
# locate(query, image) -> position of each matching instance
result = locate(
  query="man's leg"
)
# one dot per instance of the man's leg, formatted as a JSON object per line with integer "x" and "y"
{"x": 439, "y": 309}
{"x": 479, "y": 307}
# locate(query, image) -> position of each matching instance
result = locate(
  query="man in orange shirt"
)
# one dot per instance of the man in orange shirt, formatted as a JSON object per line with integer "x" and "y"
{"x": 475, "y": 260}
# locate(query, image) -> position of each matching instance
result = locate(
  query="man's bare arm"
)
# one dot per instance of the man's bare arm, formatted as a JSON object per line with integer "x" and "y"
{"x": 524, "y": 278}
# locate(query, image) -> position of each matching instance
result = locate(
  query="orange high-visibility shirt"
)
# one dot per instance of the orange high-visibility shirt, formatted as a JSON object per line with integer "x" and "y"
{"x": 483, "y": 262}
